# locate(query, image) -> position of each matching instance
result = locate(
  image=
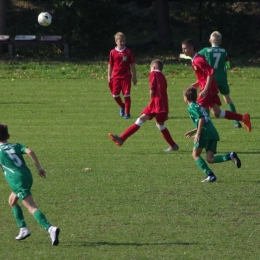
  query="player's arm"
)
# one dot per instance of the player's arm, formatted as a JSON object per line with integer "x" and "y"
{"x": 199, "y": 129}
{"x": 195, "y": 84}
{"x": 109, "y": 72}
{"x": 35, "y": 160}
{"x": 204, "y": 92}
{"x": 183, "y": 56}
{"x": 190, "y": 133}
{"x": 227, "y": 63}
{"x": 133, "y": 69}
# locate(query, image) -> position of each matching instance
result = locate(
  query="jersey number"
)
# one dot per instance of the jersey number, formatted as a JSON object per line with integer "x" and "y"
{"x": 217, "y": 56}
{"x": 17, "y": 161}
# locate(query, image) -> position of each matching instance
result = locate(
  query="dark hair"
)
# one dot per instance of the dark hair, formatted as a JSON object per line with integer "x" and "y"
{"x": 191, "y": 94}
{"x": 158, "y": 63}
{"x": 189, "y": 42}
{"x": 3, "y": 132}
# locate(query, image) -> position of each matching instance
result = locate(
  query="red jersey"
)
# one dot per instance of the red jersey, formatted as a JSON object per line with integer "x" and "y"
{"x": 159, "y": 101}
{"x": 202, "y": 70}
{"x": 120, "y": 62}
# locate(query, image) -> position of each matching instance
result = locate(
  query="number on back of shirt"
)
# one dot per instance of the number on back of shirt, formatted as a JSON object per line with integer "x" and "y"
{"x": 217, "y": 58}
{"x": 14, "y": 157}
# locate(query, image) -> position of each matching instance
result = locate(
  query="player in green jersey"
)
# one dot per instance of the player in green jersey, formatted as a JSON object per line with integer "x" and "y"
{"x": 217, "y": 57}
{"x": 205, "y": 136}
{"x": 20, "y": 179}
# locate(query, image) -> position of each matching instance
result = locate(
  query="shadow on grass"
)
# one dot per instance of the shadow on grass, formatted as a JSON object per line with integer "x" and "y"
{"x": 103, "y": 243}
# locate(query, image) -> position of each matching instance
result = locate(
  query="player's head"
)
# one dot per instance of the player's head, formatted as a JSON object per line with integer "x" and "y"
{"x": 4, "y": 135}
{"x": 188, "y": 47}
{"x": 190, "y": 94}
{"x": 156, "y": 65}
{"x": 120, "y": 40}
{"x": 215, "y": 38}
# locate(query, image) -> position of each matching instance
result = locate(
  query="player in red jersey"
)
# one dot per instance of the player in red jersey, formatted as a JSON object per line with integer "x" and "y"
{"x": 158, "y": 108}
{"x": 121, "y": 64}
{"x": 208, "y": 95}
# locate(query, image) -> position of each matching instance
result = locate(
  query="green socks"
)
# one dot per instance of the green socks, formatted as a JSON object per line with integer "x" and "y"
{"x": 203, "y": 166}
{"x": 18, "y": 215}
{"x": 221, "y": 158}
{"x": 41, "y": 219}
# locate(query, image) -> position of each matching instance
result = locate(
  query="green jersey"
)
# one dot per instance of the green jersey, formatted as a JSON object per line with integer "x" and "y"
{"x": 15, "y": 170}
{"x": 209, "y": 131}
{"x": 217, "y": 58}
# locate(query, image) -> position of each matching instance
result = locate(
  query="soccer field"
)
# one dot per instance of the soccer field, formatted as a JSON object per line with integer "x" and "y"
{"x": 137, "y": 202}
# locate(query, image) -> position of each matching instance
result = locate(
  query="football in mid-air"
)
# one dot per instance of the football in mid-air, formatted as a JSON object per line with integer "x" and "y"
{"x": 44, "y": 19}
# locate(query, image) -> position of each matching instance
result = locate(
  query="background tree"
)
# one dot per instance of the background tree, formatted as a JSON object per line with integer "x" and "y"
{"x": 163, "y": 23}
{"x": 3, "y": 6}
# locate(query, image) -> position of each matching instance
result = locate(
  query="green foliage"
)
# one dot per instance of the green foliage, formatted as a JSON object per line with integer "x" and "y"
{"x": 137, "y": 202}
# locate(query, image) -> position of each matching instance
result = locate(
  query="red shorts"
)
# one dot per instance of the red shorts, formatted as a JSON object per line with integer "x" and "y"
{"x": 118, "y": 85}
{"x": 209, "y": 101}
{"x": 160, "y": 117}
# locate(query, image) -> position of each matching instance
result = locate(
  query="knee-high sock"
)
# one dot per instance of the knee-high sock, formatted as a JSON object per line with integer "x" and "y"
{"x": 232, "y": 108}
{"x": 119, "y": 101}
{"x": 18, "y": 215}
{"x": 127, "y": 105}
{"x": 203, "y": 166}
{"x": 41, "y": 219}
{"x": 221, "y": 158}
{"x": 167, "y": 137}
{"x": 129, "y": 131}
{"x": 233, "y": 116}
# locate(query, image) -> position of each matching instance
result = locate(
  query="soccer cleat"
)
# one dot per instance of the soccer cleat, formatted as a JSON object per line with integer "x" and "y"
{"x": 54, "y": 235}
{"x": 235, "y": 159}
{"x": 172, "y": 148}
{"x": 237, "y": 124}
{"x": 24, "y": 233}
{"x": 116, "y": 139}
{"x": 210, "y": 179}
{"x": 122, "y": 111}
{"x": 128, "y": 116}
{"x": 246, "y": 122}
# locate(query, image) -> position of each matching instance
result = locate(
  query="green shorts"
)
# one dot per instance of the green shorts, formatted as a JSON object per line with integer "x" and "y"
{"x": 209, "y": 145}
{"x": 21, "y": 186}
{"x": 22, "y": 193}
{"x": 224, "y": 89}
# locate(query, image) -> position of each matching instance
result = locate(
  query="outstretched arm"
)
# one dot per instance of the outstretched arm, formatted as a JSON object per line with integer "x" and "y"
{"x": 35, "y": 160}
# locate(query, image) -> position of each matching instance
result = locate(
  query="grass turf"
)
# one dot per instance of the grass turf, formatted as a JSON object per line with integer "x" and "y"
{"x": 137, "y": 202}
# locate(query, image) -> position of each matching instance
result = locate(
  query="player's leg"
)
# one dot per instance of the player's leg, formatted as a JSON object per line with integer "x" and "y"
{"x": 201, "y": 163}
{"x": 224, "y": 158}
{"x": 231, "y": 108}
{"x": 160, "y": 119}
{"x": 29, "y": 203}
{"x": 217, "y": 112}
{"x": 18, "y": 215}
{"x": 126, "y": 89}
{"x": 116, "y": 89}
{"x": 119, "y": 140}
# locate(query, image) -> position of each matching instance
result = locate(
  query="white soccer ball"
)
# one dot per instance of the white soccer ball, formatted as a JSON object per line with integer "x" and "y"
{"x": 44, "y": 19}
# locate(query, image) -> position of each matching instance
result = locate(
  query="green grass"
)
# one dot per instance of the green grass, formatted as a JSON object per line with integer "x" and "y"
{"x": 137, "y": 202}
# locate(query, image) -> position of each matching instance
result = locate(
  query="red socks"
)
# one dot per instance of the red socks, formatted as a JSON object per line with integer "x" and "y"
{"x": 127, "y": 105}
{"x": 233, "y": 116}
{"x": 167, "y": 136}
{"x": 119, "y": 101}
{"x": 129, "y": 131}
